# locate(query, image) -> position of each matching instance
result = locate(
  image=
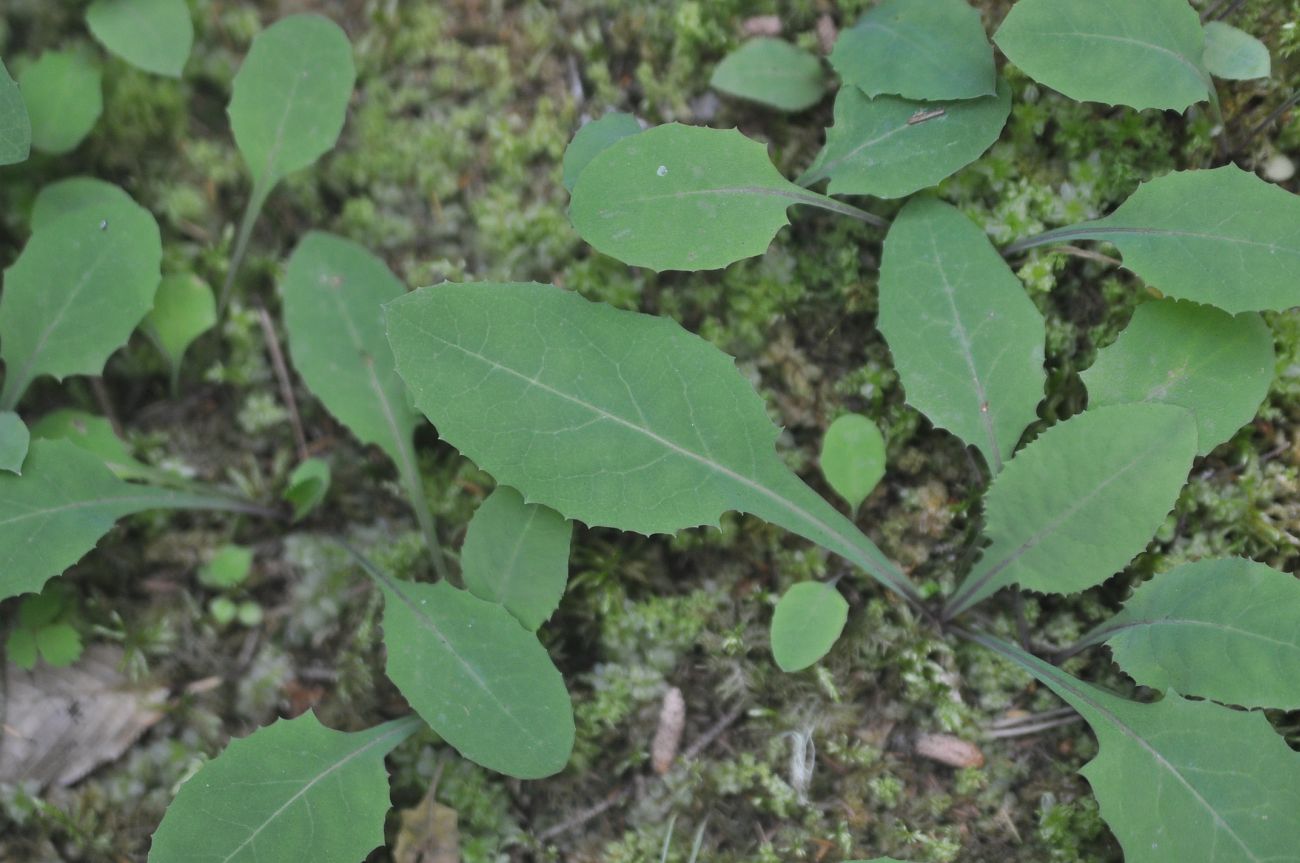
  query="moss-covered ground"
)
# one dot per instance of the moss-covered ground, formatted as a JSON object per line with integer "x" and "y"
{"x": 449, "y": 169}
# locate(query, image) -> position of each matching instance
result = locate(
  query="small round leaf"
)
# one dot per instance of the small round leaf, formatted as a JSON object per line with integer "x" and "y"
{"x": 853, "y": 457}
{"x": 806, "y": 624}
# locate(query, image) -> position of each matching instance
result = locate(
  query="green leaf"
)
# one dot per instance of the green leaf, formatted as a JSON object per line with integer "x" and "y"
{"x": 772, "y": 72}
{"x": 1183, "y": 780}
{"x": 609, "y": 417}
{"x": 1082, "y": 500}
{"x": 891, "y": 147}
{"x": 63, "y": 98}
{"x": 308, "y": 485}
{"x": 806, "y": 624}
{"x": 44, "y": 608}
{"x": 15, "y": 126}
{"x": 294, "y": 790}
{"x": 1221, "y": 629}
{"x": 1222, "y": 237}
{"x": 20, "y": 648}
{"x": 1215, "y": 365}
{"x": 1144, "y": 55}
{"x": 72, "y": 194}
{"x": 153, "y": 35}
{"x": 223, "y": 610}
{"x": 249, "y": 613}
{"x": 966, "y": 340}
{"x": 684, "y": 198}
{"x": 517, "y": 554}
{"x": 79, "y": 288}
{"x": 853, "y": 457}
{"x": 229, "y": 567}
{"x": 68, "y": 499}
{"x": 95, "y": 435}
{"x": 1234, "y": 54}
{"x": 14, "y": 439}
{"x": 59, "y": 644}
{"x": 334, "y": 293}
{"x": 290, "y": 97}
{"x": 480, "y": 680}
{"x": 183, "y": 309}
{"x": 593, "y": 138}
{"x": 931, "y": 51}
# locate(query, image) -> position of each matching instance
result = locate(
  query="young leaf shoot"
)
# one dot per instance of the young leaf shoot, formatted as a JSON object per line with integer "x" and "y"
{"x": 853, "y": 458}
{"x": 806, "y": 624}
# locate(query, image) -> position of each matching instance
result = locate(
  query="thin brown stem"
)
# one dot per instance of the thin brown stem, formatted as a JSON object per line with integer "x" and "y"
{"x": 282, "y": 375}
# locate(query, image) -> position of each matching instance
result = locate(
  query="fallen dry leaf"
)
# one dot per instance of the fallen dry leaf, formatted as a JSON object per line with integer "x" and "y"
{"x": 429, "y": 833}
{"x": 949, "y": 750}
{"x": 62, "y": 723}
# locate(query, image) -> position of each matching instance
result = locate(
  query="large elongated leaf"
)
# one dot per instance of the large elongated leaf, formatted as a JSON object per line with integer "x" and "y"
{"x": 481, "y": 680}
{"x": 63, "y": 503}
{"x": 1183, "y": 780}
{"x": 806, "y": 624}
{"x": 1216, "y": 365}
{"x": 15, "y": 126}
{"x": 1145, "y": 55}
{"x": 291, "y": 96}
{"x": 517, "y": 554}
{"x": 966, "y": 340}
{"x": 1222, "y": 629}
{"x": 1233, "y": 54}
{"x": 891, "y": 147}
{"x": 610, "y": 417}
{"x": 684, "y": 198}
{"x": 1223, "y": 237}
{"x": 334, "y": 293}
{"x": 294, "y": 790}
{"x": 74, "y": 295}
{"x": 772, "y": 72}
{"x": 932, "y": 51}
{"x": 153, "y": 35}
{"x": 1080, "y": 501}
{"x": 64, "y": 100}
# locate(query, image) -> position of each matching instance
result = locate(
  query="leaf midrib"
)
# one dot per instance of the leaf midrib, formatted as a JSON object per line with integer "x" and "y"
{"x": 1156, "y": 756}
{"x": 1181, "y": 58}
{"x": 399, "y": 728}
{"x": 1034, "y": 540}
{"x": 428, "y": 622}
{"x": 1046, "y": 671}
{"x": 1101, "y": 229}
{"x": 982, "y": 406}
